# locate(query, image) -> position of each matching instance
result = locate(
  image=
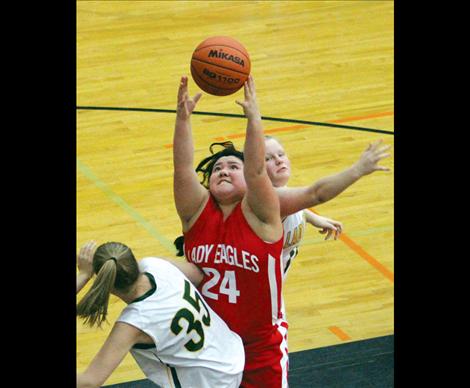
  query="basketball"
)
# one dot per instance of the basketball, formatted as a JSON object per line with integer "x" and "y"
{"x": 220, "y": 65}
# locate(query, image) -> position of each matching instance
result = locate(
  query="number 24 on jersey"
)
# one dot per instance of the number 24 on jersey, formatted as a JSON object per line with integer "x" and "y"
{"x": 228, "y": 285}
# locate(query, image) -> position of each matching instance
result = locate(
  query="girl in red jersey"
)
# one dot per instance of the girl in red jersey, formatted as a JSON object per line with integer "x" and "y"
{"x": 230, "y": 237}
{"x": 233, "y": 232}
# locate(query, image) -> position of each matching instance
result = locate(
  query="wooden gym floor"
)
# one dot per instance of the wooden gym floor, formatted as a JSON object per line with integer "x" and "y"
{"x": 324, "y": 69}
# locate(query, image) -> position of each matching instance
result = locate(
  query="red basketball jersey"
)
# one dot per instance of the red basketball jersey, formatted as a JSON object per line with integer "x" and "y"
{"x": 243, "y": 273}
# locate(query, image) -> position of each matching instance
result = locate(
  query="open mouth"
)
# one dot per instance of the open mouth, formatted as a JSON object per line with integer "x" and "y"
{"x": 223, "y": 181}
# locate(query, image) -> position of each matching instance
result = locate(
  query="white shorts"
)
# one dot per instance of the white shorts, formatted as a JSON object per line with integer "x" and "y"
{"x": 194, "y": 378}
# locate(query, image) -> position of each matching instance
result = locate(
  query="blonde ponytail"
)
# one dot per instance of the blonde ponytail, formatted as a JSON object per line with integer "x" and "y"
{"x": 116, "y": 268}
{"x": 94, "y": 305}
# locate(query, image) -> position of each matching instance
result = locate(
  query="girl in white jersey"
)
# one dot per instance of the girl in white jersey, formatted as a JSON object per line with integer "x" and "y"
{"x": 278, "y": 167}
{"x": 174, "y": 336}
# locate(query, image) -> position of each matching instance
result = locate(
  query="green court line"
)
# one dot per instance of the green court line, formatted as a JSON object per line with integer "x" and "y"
{"x": 167, "y": 243}
{"x": 133, "y": 213}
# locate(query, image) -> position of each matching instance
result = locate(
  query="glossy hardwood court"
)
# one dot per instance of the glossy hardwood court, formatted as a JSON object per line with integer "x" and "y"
{"x": 326, "y": 62}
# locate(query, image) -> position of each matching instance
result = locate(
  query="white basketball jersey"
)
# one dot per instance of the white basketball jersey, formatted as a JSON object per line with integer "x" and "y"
{"x": 294, "y": 226}
{"x": 193, "y": 346}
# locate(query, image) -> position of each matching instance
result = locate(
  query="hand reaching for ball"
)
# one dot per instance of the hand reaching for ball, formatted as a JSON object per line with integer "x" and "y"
{"x": 250, "y": 106}
{"x": 185, "y": 104}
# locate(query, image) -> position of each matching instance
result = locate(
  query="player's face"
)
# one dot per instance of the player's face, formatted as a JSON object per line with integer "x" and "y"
{"x": 277, "y": 163}
{"x": 227, "y": 182}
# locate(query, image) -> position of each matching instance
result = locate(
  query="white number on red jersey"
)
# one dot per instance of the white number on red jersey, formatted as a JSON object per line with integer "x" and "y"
{"x": 228, "y": 286}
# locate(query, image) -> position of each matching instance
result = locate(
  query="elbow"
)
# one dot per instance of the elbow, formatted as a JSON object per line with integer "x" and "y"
{"x": 315, "y": 197}
{"x": 319, "y": 199}
{"x": 198, "y": 278}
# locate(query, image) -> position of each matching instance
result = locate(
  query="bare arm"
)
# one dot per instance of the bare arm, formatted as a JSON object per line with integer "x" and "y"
{"x": 113, "y": 351}
{"x": 326, "y": 225}
{"x": 295, "y": 199}
{"x": 190, "y": 270}
{"x": 85, "y": 264}
{"x": 188, "y": 193}
{"x": 260, "y": 197}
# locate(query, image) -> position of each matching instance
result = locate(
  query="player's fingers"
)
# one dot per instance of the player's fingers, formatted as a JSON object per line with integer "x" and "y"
{"x": 181, "y": 88}
{"x": 197, "y": 97}
{"x": 381, "y": 168}
{"x": 376, "y": 144}
{"x": 251, "y": 83}
{"x": 381, "y": 156}
{"x": 86, "y": 248}
{"x": 92, "y": 245}
{"x": 384, "y": 148}
{"x": 246, "y": 90}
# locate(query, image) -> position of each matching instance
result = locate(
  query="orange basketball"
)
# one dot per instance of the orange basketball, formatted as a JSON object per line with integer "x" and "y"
{"x": 220, "y": 65}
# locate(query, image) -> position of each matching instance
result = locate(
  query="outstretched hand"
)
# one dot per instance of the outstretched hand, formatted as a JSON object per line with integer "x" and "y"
{"x": 371, "y": 156}
{"x": 85, "y": 258}
{"x": 329, "y": 226}
{"x": 186, "y": 104}
{"x": 250, "y": 106}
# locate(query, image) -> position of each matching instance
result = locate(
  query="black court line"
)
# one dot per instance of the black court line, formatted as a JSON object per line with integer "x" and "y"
{"x": 240, "y": 116}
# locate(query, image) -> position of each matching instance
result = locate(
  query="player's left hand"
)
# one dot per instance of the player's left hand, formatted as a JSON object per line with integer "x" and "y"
{"x": 85, "y": 258}
{"x": 250, "y": 105}
{"x": 329, "y": 226}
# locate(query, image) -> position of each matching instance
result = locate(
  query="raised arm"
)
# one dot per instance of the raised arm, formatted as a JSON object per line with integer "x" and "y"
{"x": 188, "y": 193}
{"x": 294, "y": 199}
{"x": 260, "y": 197}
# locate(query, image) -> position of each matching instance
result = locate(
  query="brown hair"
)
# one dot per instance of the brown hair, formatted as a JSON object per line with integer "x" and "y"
{"x": 116, "y": 268}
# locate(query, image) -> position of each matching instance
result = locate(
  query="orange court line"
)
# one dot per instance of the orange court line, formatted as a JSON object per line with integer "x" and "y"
{"x": 361, "y": 252}
{"x": 301, "y": 126}
{"x": 267, "y": 131}
{"x": 356, "y": 118}
{"x": 291, "y": 128}
{"x": 339, "y": 333}
{"x": 235, "y": 135}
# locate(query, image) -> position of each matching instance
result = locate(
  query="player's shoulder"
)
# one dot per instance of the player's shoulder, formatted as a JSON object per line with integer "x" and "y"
{"x": 156, "y": 264}
{"x": 152, "y": 262}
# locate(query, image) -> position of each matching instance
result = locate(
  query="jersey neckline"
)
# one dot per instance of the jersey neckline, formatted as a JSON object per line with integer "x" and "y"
{"x": 149, "y": 292}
